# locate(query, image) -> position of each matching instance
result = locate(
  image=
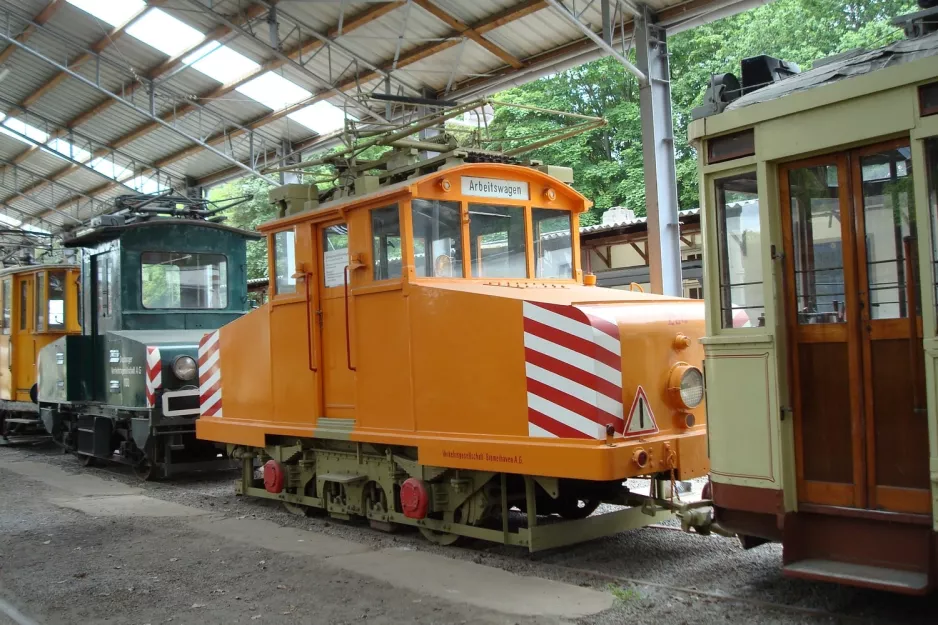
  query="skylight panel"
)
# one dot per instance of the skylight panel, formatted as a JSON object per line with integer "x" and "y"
{"x": 110, "y": 11}
{"x": 220, "y": 62}
{"x": 321, "y": 117}
{"x": 165, "y": 33}
{"x": 68, "y": 150}
{"x": 11, "y": 221}
{"x": 18, "y": 130}
{"x": 274, "y": 91}
{"x": 109, "y": 168}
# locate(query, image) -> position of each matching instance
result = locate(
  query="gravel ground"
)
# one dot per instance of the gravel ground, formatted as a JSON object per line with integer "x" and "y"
{"x": 656, "y": 574}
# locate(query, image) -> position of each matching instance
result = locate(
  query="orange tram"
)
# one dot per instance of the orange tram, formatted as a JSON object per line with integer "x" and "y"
{"x": 432, "y": 355}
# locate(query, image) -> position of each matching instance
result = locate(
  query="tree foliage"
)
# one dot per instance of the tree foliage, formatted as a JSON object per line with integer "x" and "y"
{"x": 608, "y": 164}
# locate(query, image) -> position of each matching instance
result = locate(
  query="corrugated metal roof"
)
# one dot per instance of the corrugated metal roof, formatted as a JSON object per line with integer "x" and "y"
{"x": 599, "y": 228}
{"x": 417, "y": 47}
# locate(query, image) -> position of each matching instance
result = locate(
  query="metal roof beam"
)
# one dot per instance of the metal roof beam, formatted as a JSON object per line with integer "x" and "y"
{"x": 44, "y": 16}
{"x": 229, "y": 127}
{"x": 464, "y": 29}
{"x": 289, "y": 61}
{"x": 27, "y": 184}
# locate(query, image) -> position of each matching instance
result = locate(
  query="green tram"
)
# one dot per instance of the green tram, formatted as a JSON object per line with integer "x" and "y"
{"x": 820, "y": 191}
{"x": 156, "y": 277}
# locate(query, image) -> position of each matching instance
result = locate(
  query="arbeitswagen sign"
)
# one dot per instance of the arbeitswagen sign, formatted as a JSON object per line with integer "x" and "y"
{"x": 492, "y": 187}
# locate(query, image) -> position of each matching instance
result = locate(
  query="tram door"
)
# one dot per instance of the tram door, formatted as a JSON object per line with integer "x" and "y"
{"x": 24, "y": 349}
{"x": 338, "y": 382}
{"x": 855, "y": 330}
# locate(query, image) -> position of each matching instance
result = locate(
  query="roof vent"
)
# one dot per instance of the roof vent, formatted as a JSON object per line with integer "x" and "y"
{"x": 920, "y": 23}
{"x": 723, "y": 89}
{"x": 762, "y": 70}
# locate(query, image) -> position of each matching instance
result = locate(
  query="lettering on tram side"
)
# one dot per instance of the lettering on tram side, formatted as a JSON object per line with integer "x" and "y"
{"x": 491, "y": 187}
{"x": 127, "y": 367}
{"x": 483, "y": 456}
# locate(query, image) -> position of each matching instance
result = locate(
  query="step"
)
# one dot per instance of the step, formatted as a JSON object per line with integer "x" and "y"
{"x": 879, "y": 577}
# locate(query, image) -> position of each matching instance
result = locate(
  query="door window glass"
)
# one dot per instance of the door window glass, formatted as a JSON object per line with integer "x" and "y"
{"x": 386, "y": 237}
{"x": 889, "y": 222}
{"x": 7, "y": 304}
{"x": 56, "y": 300}
{"x": 334, "y": 255}
{"x": 437, "y": 239}
{"x": 104, "y": 285}
{"x": 553, "y": 244}
{"x": 184, "y": 280}
{"x": 818, "y": 244}
{"x": 24, "y": 303}
{"x": 284, "y": 262}
{"x": 742, "y": 302}
{"x": 497, "y": 241}
{"x": 931, "y": 164}
{"x": 40, "y": 307}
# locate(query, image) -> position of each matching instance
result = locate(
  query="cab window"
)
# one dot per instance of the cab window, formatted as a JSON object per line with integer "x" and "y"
{"x": 184, "y": 280}
{"x": 7, "y": 304}
{"x": 437, "y": 239}
{"x": 553, "y": 243}
{"x": 284, "y": 262}
{"x": 742, "y": 302}
{"x": 386, "y": 237}
{"x": 497, "y": 241}
{"x": 40, "y": 309}
{"x": 56, "y": 301}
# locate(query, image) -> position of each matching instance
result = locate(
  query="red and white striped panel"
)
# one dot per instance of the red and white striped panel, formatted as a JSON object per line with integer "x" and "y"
{"x": 153, "y": 376}
{"x": 573, "y": 362}
{"x": 209, "y": 376}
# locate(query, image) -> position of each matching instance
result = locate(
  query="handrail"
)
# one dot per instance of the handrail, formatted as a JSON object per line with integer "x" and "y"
{"x": 348, "y": 341}
{"x": 911, "y": 308}
{"x": 309, "y": 320}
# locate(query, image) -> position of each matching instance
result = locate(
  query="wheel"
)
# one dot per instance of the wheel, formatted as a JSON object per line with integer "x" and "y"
{"x": 295, "y": 508}
{"x": 87, "y": 461}
{"x": 146, "y": 471}
{"x": 439, "y": 538}
{"x": 576, "y": 509}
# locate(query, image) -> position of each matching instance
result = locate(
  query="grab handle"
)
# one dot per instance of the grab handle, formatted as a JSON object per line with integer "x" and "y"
{"x": 309, "y": 333}
{"x": 348, "y": 340}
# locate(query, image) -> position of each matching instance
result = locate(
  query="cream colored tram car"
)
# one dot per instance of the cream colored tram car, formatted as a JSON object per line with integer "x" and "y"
{"x": 822, "y": 338}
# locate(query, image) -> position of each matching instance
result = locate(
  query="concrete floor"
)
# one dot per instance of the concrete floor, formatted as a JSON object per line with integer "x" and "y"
{"x": 97, "y": 546}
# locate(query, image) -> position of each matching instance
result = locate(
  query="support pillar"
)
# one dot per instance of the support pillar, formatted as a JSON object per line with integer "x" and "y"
{"x": 289, "y": 177}
{"x": 664, "y": 246}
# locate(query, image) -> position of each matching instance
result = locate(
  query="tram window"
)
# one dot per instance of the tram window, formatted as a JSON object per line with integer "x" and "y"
{"x": 732, "y": 146}
{"x": 889, "y": 218}
{"x": 104, "y": 285}
{"x": 931, "y": 165}
{"x": 818, "y": 247}
{"x": 334, "y": 255}
{"x": 553, "y": 245}
{"x": 184, "y": 280}
{"x": 386, "y": 237}
{"x": 437, "y": 239}
{"x": 56, "y": 300}
{"x": 40, "y": 309}
{"x": 24, "y": 303}
{"x": 7, "y": 304}
{"x": 285, "y": 262}
{"x": 497, "y": 241}
{"x": 742, "y": 301}
{"x": 928, "y": 99}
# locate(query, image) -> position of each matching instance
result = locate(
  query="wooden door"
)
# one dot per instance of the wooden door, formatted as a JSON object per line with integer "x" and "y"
{"x": 856, "y": 351}
{"x": 24, "y": 343}
{"x": 331, "y": 317}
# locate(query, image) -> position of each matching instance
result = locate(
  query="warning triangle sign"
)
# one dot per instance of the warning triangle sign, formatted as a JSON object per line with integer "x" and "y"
{"x": 641, "y": 419}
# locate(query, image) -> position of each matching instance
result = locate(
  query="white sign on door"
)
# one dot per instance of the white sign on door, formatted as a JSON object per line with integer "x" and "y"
{"x": 492, "y": 187}
{"x": 334, "y": 263}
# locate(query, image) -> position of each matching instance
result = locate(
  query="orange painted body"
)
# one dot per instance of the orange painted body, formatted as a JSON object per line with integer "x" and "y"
{"x": 454, "y": 367}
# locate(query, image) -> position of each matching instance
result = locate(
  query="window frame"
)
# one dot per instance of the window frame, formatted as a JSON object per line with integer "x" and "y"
{"x": 6, "y": 306}
{"x": 41, "y": 282}
{"x": 405, "y": 233}
{"x": 227, "y": 262}
{"x": 713, "y": 252}
{"x": 64, "y": 325}
{"x": 530, "y": 209}
{"x": 275, "y": 293}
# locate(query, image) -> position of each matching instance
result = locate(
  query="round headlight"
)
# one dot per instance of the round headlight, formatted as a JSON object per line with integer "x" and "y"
{"x": 184, "y": 368}
{"x": 692, "y": 387}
